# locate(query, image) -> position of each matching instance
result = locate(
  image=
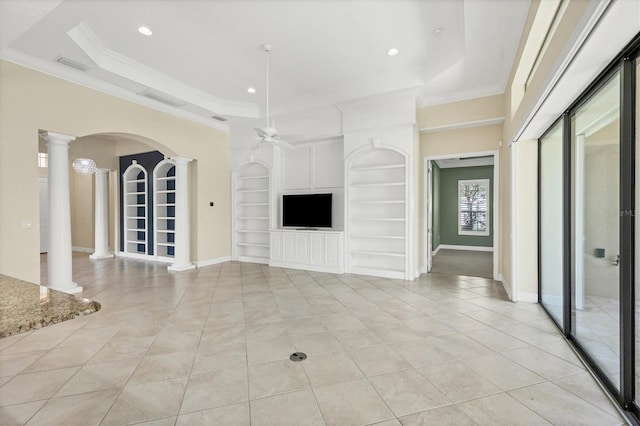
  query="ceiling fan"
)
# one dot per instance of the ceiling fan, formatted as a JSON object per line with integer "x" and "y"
{"x": 269, "y": 134}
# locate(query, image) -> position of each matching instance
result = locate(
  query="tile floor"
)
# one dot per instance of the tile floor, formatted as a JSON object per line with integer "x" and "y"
{"x": 211, "y": 346}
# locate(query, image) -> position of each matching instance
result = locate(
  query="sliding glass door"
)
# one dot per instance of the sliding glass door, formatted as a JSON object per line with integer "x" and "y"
{"x": 589, "y": 231}
{"x": 596, "y": 227}
{"x": 550, "y": 220}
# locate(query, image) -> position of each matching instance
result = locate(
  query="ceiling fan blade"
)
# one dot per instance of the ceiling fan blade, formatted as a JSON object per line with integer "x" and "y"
{"x": 283, "y": 144}
{"x": 261, "y": 132}
{"x": 292, "y": 137}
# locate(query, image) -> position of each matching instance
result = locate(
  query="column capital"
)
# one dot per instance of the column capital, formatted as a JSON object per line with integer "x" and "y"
{"x": 57, "y": 138}
{"x": 102, "y": 171}
{"x": 182, "y": 160}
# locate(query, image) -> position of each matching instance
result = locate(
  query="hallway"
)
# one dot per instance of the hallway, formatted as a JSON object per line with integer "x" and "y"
{"x": 463, "y": 262}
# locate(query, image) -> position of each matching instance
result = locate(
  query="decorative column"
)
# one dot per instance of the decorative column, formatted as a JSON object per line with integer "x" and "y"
{"x": 101, "y": 216}
{"x": 59, "y": 255}
{"x": 182, "y": 236}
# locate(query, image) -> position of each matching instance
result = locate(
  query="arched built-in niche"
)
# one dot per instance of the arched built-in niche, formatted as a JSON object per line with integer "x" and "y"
{"x": 377, "y": 213}
{"x": 251, "y": 212}
{"x": 164, "y": 210}
{"x": 136, "y": 210}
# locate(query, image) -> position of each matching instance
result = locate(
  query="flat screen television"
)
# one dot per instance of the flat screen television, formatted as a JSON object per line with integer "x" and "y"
{"x": 307, "y": 210}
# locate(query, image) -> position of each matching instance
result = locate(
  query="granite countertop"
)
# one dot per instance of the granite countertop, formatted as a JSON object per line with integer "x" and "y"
{"x": 26, "y": 306}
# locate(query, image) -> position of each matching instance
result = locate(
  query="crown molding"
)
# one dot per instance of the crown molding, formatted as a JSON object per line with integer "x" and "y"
{"x": 463, "y": 125}
{"x": 77, "y": 77}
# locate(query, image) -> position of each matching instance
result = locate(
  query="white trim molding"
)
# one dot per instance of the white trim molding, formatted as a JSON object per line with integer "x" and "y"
{"x": 506, "y": 286}
{"x": 527, "y": 297}
{"x": 214, "y": 261}
{"x": 82, "y": 249}
{"x": 463, "y": 125}
{"x": 468, "y": 248}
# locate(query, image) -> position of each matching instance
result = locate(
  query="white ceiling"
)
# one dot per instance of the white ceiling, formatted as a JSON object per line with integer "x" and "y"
{"x": 205, "y": 53}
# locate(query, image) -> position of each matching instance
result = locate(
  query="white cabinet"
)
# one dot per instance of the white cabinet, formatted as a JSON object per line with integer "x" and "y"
{"x": 310, "y": 250}
{"x": 377, "y": 219}
{"x": 251, "y": 208}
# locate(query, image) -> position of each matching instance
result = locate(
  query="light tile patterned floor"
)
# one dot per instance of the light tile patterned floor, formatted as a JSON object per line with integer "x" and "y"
{"x": 211, "y": 346}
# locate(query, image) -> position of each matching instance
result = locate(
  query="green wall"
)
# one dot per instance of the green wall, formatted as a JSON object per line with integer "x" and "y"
{"x": 446, "y": 197}
{"x": 435, "y": 182}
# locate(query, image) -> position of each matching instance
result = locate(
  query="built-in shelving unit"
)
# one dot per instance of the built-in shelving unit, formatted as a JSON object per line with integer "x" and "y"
{"x": 164, "y": 204}
{"x": 136, "y": 210}
{"x": 377, "y": 219}
{"x": 251, "y": 212}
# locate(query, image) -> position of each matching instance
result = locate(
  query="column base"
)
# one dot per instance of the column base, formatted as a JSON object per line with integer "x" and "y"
{"x": 180, "y": 268}
{"x": 72, "y": 288}
{"x": 100, "y": 256}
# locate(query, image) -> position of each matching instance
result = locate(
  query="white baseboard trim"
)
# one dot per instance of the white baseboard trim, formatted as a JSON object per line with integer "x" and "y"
{"x": 434, "y": 252}
{"x": 527, "y": 297}
{"x": 469, "y": 248}
{"x": 214, "y": 261}
{"x": 82, "y": 249}
{"x": 135, "y": 256}
{"x": 506, "y": 286}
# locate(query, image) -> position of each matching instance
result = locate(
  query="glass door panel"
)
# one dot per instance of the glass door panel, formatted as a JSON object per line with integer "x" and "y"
{"x": 637, "y": 235}
{"x": 551, "y": 253}
{"x": 596, "y": 228}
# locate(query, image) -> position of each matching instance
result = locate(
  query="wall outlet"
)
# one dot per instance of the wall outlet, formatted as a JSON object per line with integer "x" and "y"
{"x": 26, "y": 224}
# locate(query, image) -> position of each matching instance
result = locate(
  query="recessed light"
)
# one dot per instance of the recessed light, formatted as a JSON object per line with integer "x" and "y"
{"x": 438, "y": 31}
{"x": 251, "y": 90}
{"x": 393, "y": 51}
{"x": 145, "y": 30}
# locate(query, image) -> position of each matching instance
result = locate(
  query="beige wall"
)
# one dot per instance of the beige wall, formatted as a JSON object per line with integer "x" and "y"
{"x": 31, "y": 101}
{"x": 466, "y": 111}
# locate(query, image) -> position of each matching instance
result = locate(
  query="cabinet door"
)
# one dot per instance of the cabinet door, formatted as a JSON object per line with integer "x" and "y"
{"x": 333, "y": 250}
{"x": 303, "y": 248}
{"x": 289, "y": 247}
{"x": 316, "y": 249}
{"x": 276, "y": 245}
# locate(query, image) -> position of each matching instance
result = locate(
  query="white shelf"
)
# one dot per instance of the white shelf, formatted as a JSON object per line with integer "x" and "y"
{"x": 382, "y": 237}
{"x": 253, "y": 177}
{"x": 253, "y": 217}
{"x": 380, "y": 167}
{"x": 262, "y": 245}
{"x": 377, "y": 184}
{"x": 377, "y": 253}
{"x": 253, "y": 231}
{"x": 137, "y": 198}
{"x": 136, "y": 181}
{"x": 137, "y": 241}
{"x": 164, "y": 178}
{"x": 252, "y": 190}
{"x": 166, "y": 231}
{"x": 166, "y": 244}
{"x": 137, "y": 217}
{"x": 378, "y": 202}
{"x": 166, "y": 191}
{"x": 252, "y": 204}
{"x": 136, "y": 205}
{"x": 136, "y": 193}
{"x": 166, "y": 205}
{"x": 163, "y": 173}
{"x": 166, "y": 217}
{"x": 378, "y": 219}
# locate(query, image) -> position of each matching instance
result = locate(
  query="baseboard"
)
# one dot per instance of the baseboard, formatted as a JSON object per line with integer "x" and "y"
{"x": 82, "y": 249}
{"x": 434, "y": 252}
{"x": 506, "y": 286}
{"x": 214, "y": 261}
{"x": 468, "y": 248}
{"x": 527, "y": 297}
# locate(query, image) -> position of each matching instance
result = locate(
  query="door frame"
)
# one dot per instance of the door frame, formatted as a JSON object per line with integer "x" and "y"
{"x": 428, "y": 219}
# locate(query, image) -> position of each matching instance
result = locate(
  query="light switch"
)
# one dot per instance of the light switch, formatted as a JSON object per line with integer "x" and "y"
{"x": 26, "y": 224}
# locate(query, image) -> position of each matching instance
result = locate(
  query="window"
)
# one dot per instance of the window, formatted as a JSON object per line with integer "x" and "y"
{"x": 43, "y": 160}
{"x": 473, "y": 199}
